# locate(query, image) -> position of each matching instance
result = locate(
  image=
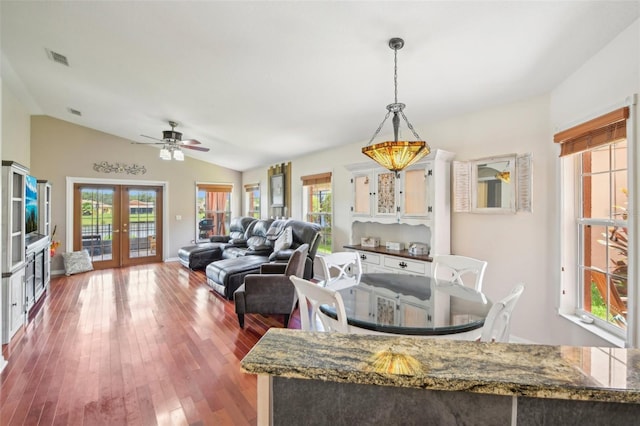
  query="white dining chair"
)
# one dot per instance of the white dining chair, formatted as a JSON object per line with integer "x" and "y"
{"x": 310, "y": 297}
{"x": 453, "y": 267}
{"x": 497, "y": 324}
{"x": 335, "y": 266}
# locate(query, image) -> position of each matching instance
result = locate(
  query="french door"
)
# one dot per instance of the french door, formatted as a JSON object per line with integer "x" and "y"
{"x": 119, "y": 225}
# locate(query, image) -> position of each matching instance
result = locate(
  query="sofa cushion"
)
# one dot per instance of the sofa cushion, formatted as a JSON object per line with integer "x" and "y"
{"x": 284, "y": 241}
{"x": 76, "y": 262}
{"x": 295, "y": 266}
{"x": 226, "y": 275}
{"x": 198, "y": 256}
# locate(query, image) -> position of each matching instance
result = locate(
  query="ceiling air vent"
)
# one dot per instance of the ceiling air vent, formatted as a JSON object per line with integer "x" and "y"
{"x": 74, "y": 111}
{"x": 57, "y": 57}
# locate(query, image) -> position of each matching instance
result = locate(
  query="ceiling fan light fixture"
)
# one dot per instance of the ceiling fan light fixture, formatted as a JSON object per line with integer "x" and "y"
{"x": 396, "y": 155}
{"x": 165, "y": 154}
{"x": 178, "y": 155}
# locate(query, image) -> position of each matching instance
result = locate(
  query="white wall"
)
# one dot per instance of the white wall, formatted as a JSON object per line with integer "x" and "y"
{"x": 602, "y": 84}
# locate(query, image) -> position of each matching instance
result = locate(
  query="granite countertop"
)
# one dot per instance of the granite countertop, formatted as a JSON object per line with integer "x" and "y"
{"x": 560, "y": 372}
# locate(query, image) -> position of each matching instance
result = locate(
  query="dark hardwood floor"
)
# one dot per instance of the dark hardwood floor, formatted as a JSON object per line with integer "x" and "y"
{"x": 144, "y": 345}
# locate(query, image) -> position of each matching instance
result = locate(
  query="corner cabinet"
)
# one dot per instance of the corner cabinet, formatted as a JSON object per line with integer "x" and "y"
{"x": 13, "y": 247}
{"x": 413, "y": 205}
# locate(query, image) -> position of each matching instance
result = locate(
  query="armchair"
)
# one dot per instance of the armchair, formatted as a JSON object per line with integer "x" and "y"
{"x": 270, "y": 294}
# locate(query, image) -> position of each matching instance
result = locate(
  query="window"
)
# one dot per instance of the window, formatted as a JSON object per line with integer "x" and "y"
{"x": 596, "y": 199}
{"x": 602, "y": 233}
{"x": 213, "y": 209}
{"x": 252, "y": 199}
{"x": 317, "y": 206}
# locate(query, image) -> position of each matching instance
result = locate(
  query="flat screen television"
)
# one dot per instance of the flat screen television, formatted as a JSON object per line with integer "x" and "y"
{"x": 31, "y": 205}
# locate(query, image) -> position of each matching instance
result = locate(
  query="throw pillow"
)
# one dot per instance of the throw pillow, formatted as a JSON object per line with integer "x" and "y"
{"x": 284, "y": 241}
{"x": 76, "y": 262}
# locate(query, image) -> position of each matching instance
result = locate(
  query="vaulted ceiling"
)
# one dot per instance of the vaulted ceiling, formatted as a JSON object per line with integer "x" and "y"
{"x": 266, "y": 81}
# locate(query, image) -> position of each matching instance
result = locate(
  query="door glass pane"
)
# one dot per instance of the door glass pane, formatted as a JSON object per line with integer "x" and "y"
{"x": 362, "y": 202}
{"x": 142, "y": 222}
{"x": 97, "y": 222}
{"x": 415, "y": 193}
{"x": 386, "y": 192}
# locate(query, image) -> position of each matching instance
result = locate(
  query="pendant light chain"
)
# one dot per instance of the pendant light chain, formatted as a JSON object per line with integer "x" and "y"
{"x": 395, "y": 73}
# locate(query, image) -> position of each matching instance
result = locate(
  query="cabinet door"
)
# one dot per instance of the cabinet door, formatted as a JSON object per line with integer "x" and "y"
{"x": 385, "y": 310}
{"x": 13, "y": 308}
{"x": 362, "y": 194}
{"x": 415, "y": 316}
{"x": 415, "y": 192}
{"x": 385, "y": 194}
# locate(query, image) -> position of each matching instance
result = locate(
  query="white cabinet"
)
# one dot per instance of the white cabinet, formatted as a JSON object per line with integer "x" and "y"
{"x": 13, "y": 247}
{"x": 13, "y": 301}
{"x": 13, "y": 215}
{"x": 374, "y": 193}
{"x": 419, "y": 195}
{"x": 383, "y": 262}
{"x": 44, "y": 207}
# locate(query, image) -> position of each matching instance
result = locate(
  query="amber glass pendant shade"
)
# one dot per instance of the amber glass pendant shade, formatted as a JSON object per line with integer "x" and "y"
{"x": 395, "y": 156}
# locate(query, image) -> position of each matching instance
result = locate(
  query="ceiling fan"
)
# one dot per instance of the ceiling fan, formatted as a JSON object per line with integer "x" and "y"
{"x": 172, "y": 143}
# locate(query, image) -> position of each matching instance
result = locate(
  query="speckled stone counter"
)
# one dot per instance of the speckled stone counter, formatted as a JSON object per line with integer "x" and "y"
{"x": 566, "y": 384}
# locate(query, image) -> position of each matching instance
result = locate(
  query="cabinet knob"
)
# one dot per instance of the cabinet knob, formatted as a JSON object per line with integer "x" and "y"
{"x": 402, "y": 265}
{"x": 14, "y": 304}
{"x": 363, "y": 256}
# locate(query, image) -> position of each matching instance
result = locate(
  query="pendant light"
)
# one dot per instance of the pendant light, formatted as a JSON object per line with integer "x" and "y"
{"x": 396, "y": 155}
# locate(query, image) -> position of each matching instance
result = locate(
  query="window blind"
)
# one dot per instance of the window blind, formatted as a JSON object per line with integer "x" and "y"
{"x": 608, "y": 128}
{"x": 212, "y": 187}
{"x": 316, "y": 179}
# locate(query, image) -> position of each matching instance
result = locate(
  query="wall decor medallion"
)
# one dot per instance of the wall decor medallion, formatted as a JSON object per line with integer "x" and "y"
{"x": 106, "y": 167}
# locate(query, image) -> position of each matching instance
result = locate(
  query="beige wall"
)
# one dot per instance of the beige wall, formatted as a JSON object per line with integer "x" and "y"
{"x": 61, "y": 149}
{"x": 15, "y": 130}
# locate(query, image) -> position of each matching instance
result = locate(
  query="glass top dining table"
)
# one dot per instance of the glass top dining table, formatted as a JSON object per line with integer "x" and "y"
{"x": 410, "y": 305}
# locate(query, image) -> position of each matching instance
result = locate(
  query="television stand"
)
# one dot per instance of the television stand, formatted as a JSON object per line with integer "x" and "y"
{"x": 37, "y": 269}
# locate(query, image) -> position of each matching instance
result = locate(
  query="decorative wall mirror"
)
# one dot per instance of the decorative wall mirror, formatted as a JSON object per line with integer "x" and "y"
{"x": 499, "y": 184}
{"x": 493, "y": 188}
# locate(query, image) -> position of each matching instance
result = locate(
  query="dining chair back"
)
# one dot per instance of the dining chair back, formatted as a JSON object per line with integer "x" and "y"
{"x": 336, "y": 266}
{"x": 497, "y": 325}
{"x": 310, "y": 297}
{"x": 452, "y": 268}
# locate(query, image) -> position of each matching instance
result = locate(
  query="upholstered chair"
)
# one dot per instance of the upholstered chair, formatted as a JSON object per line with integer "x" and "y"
{"x": 271, "y": 294}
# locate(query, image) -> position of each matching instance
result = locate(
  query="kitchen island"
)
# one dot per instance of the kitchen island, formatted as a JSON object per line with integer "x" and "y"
{"x": 332, "y": 378}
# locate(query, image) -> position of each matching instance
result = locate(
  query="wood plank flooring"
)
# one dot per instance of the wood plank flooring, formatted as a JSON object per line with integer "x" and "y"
{"x": 142, "y": 345}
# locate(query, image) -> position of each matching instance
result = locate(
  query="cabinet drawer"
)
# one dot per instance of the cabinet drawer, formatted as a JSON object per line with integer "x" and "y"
{"x": 405, "y": 265}
{"x": 369, "y": 258}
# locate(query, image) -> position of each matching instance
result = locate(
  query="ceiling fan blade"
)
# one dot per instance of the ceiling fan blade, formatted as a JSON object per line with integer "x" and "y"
{"x": 197, "y": 148}
{"x": 147, "y": 143}
{"x": 190, "y": 142}
{"x": 151, "y": 137}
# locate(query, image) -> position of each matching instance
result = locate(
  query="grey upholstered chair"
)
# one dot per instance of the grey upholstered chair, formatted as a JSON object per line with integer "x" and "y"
{"x": 271, "y": 293}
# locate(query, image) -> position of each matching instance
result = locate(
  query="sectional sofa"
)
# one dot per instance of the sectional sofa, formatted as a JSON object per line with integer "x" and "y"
{"x": 250, "y": 244}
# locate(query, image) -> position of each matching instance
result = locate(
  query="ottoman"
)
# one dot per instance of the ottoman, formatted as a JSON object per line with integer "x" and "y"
{"x": 200, "y": 255}
{"x": 225, "y": 276}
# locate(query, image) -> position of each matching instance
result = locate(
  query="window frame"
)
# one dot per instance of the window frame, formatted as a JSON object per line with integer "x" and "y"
{"x": 569, "y": 294}
{"x": 311, "y": 181}
{"x": 224, "y": 187}
{"x": 250, "y": 197}
{"x": 584, "y": 222}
